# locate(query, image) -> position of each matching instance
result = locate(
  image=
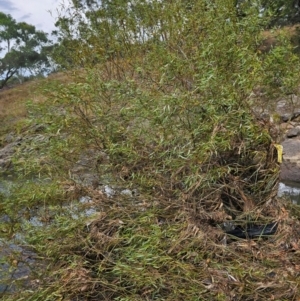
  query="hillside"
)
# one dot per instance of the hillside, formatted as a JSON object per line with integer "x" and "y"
{"x": 147, "y": 172}
{"x": 159, "y": 244}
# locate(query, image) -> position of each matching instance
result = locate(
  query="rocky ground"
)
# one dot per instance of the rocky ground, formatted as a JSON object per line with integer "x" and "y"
{"x": 289, "y": 114}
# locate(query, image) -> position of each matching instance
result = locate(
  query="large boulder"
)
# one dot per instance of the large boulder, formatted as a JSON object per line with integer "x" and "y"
{"x": 288, "y": 110}
{"x": 290, "y": 167}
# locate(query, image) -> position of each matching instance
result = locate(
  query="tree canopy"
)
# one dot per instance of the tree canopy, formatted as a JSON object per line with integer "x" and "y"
{"x": 23, "y": 48}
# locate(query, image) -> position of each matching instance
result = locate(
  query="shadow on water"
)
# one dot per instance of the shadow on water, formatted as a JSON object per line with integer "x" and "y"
{"x": 291, "y": 190}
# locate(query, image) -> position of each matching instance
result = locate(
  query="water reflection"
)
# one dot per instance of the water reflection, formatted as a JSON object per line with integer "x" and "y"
{"x": 291, "y": 190}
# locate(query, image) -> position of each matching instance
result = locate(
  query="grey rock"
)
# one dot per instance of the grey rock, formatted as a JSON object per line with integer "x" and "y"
{"x": 109, "y": 191}
{"x": 85, "y": 171}
{"x": 294, "y": 132}
{"x": 289, "y": 108}
{"x": 286, "y": 117}
{"x": 296, "y": 113}
{"x": 127, "y": 192}
{"x": 9, "y": 138}
{"x": 290, "y": 167}
{"x": 130, "y": 192}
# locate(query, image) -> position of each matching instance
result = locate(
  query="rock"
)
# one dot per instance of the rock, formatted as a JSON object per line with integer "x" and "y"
{"x": 290, "y": 167}
{"x": 291, "y": 190}
{"x": 296, "y": 113}
{"x": 9, "y": 138}
{"x": 285, "y": 126}
{"x": 129, "y": 192}
{"x": 109, "y": 191}
{"x": 297, "y": 119}
{"x": 288, "y": 109}
{"x": 126, "y": 192}
{"x": 294, "y": 132}
{"x": 85, "y": 171}
{"x": 286, "y": 117}
{"x": 20, "y": 272}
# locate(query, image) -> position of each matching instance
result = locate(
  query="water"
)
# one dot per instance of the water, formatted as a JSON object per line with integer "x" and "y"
{"x": 291, "y": 190}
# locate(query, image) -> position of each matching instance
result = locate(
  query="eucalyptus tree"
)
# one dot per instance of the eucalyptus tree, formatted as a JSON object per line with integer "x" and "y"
{"x": 23, "y": 48}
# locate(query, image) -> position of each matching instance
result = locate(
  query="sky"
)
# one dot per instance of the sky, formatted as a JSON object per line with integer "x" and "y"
{"x": 34, "y": 12}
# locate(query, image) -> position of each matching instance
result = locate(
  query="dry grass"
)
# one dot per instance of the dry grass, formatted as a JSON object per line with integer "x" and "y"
{"x": 13, "y": 101}
{"x": 160, "y": 251}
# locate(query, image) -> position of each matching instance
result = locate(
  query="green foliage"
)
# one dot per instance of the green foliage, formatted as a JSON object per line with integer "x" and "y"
{"x": 24, "y": 47}
{"x": 282, "y": 11}
{"x": 166, "y": 90}
{"x": 174, "y": 103}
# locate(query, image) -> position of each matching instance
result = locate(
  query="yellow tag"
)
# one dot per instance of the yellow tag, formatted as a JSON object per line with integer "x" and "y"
{"x": 279, "y": 152}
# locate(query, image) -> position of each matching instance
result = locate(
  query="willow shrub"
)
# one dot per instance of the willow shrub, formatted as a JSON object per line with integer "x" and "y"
{"x": 166, "y": 90}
